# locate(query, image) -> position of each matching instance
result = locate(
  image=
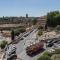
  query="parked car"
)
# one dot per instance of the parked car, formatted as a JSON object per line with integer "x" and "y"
{"x": 49, "y": 40}
{"x": 50, "y": 44}
{"x": 21, "y": 38}
{"x": 26, "y": 35}
{"x": 12, "y": 57}
{"x": 10, "y": 51}
{"x": 58, "y": 42}
{"x": 55, "y": 41}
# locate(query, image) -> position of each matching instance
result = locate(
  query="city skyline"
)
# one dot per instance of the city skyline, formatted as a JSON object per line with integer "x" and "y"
{"x": 32, "y": 7}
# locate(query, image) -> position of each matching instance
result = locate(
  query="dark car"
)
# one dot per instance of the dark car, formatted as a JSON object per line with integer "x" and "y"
{"x": 50, "y": 41}
{"x": 26, "y": 35}
{"x": 56, "y": 41}
{"x": 50, "y": 44}
{"x": 12, "y": 57}
{"x": 21, "y": 38}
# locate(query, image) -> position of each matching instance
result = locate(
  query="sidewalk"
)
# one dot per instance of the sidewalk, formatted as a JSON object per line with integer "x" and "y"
{"x": 18, "y": 57}
{"x": 1, "y": 56}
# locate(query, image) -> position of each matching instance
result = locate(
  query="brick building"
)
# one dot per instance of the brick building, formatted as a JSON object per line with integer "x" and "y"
{"x": 41, "y": 21}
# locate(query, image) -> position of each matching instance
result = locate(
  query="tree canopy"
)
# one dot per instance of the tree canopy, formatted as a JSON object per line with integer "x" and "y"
{"x": 53, "y": 19}
{"x": 44, "y": 57}
{"x": 34, "y": 21}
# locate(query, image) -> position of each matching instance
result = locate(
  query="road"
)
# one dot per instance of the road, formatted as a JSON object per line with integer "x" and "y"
{"x": 21, "y": 52}
{"x": 22, "y": 44}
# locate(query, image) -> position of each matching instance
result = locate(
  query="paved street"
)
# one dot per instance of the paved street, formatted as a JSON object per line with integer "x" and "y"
{"x": 22, "y": 45}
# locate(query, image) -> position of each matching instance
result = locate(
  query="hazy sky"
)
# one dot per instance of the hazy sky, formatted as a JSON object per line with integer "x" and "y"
{"x": 32, "y": 7}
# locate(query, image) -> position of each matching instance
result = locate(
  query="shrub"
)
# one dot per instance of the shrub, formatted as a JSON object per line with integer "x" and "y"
{"x": 40, "y": 27}
{"x": 3, "y": 44}
{"x": 48, "y": 54}
{"x": 34, "y": 21}
{"x": 57, "y": 51}
{"x": 44, "y": 57}
{"x": 22, "y": 30}
{"x": 40, "y": 32}
{"x": 18, "y": 31}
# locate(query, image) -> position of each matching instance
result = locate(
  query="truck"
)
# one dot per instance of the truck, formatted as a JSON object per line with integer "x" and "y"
{"x": 34, "y": 48}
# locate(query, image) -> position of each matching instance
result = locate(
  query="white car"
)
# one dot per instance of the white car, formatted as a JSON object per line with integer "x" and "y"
{"x": 11, "y": 49}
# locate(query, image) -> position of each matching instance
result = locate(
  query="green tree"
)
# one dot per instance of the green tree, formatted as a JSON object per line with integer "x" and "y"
{"x": 51, "y": 18}
{"x": 40, "y": 33}
{"x": 3, "y": 44}
{"x": 16, "y": 32}
{"x": 48, "y": 54}
{"x": 22, "y": 30}
{"x": 46, "y": 26}
{"x": 12, "y": 35}
{"x": 58, "y": 19}
{"x": 34, "y": 21}
{"x": 40, "y": 27}
{"x": 44, "y": 57}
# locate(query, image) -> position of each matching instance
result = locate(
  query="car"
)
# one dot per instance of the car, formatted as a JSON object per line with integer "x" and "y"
{"x": 50, "y": 44}
{"x": 50, "y": 41}
{"x": 12, "y": 57}
{"x": 10, "y": 49}
{"x": 26, "y": 35}
{"x": 13, "y": 50}
{"x": 56, "y": 41}
{"x": 21, "y": 38}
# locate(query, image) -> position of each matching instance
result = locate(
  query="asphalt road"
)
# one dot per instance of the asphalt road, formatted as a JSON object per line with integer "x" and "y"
{"x": 21, "y": 52}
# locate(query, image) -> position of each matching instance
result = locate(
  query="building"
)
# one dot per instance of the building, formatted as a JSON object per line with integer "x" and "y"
{"x": 41, "y": 21}
{"x": 26, "y": 15}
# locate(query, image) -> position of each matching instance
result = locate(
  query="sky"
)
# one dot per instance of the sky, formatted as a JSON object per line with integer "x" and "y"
{"x": 32, "y": 7}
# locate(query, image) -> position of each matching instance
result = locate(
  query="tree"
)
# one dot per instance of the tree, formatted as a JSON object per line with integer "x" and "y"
{"x": 58, "y": 19}
{"x": 58, "y": 28}
{"x": 34, "y": 21}
{"x": 26, "y": 15}
{"x": 40, "y": 33}
{"x": 40, "y": 27}
{"x": 22, "y": 30}
{"x": 48, "y": 54}
{"x": 44, "y": 57}
{"x": 12, "y": 34}
{"x": 46, "y": 26}
{"x": 3, "y": 44}
{"x": 18, "y": 31}
{"x": 51, "y": 18}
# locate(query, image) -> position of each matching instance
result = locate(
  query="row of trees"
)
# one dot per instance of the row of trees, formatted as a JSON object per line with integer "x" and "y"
{"x": 17, "y": 20}
{"x": 12, "y": 20}
{"x": 16, "y": 32}
{"x": 53, "y": 19}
